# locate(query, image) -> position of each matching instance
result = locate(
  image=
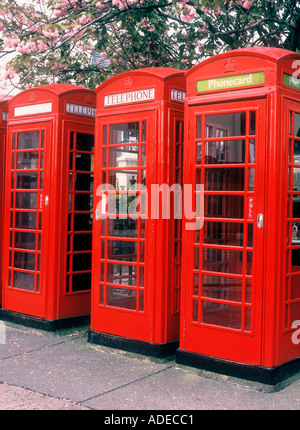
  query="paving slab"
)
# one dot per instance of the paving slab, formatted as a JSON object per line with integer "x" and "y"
{"x": 62, "y": 371}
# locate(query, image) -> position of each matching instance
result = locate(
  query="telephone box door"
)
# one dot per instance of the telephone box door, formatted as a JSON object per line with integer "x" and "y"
{"x": 26, "y": 223}
{"x": 223, "y": 260}
{"x": 122, "y": 237}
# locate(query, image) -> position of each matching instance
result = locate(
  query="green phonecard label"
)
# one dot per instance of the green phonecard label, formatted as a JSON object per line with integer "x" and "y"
{"x": 219, "y": 84}
{"x": 291, "y": 81}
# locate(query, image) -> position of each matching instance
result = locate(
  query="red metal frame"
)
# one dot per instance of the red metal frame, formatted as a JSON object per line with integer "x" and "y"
{"x": 143, "y": 304}
{"x": 3, "y": 129}
{"x": 50, "y": 146}
{"x": 262, "y": 335}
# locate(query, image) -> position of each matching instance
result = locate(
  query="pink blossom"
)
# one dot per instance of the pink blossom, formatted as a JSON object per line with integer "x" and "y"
{"x": 41, "y": 45}
{"x": 247, "y": 4}
{"x": 1, "y": 26}
{"x": 11, "y": 43}
{"x": 84, "y": 19}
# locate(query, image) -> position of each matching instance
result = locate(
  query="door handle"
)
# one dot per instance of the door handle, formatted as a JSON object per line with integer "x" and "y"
{"x": 46, "y": 200}
{"x": 97, "y": 214}
{"x": 260, "y": 220}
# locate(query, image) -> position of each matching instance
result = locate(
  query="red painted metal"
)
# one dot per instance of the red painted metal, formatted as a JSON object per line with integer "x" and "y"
{"x": 3, "y": 126}
{"x": 136, "y": 263}
{"x": 241, "y": 271}
{"x": 48, "y": 202}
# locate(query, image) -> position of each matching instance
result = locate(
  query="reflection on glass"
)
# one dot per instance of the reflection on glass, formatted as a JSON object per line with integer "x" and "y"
{"x": 296, "y": 178}
{"x": 226, "y": 152}
{"x": 26, "y": 200}
{"x": 24, "y": 260}
{"x": 121, "y": 250}
{"x": 27, "y": 160}
{"x": 122, "y": 227}
{"x": 121, "y": 274}
{"x": 24, "y": 240}
{"x": 121, "y": 297}
{"x": 224, "y": 206}
{"x": 227, "y": 124}
{"x": 221, "y": 315}
{"x": 28, "y": 140}
{"x": 229, "y": 179}
{"x": 222, "y": 288}
{"x": 25, "y": 220}
{"x": 297, "y": 151}
{"x": 124, "y": 133}
{"x": 223, "y": 233}
{"x": 123, "y": 180}
{"x": 27, "y": 180}
{"x": 222, "y": 260}
{"x": 24, "y": 280}
{"x": 124, "y": 156}
{"x": 297, "y": 124}
{"x": 199, "y": 127}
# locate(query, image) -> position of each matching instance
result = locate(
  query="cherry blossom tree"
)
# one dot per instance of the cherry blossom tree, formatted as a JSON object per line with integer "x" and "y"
{"x": 86, "y": 41}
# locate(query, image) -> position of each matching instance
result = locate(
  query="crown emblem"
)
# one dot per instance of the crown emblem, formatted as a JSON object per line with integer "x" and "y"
{"x": 229, "y": 66}
{"x": 88, "y": 99}
{"x": 128, "y": 83}
{"x": 32, "y": 97}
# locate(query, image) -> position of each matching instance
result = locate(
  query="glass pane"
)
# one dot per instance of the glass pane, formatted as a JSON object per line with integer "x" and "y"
{"x": 121, "y": 297}
{"x": 222, "y": 260}
{"x": 296, "y": 206}
{"x": 144, "y": 129}
{"x": 25, "y": 220}
{"x": 83, "y": 222}
{"x": 295, "y": 260}
{"x": 24, "y": 260}
{"x": 124, "y": 156}
{"x": 297, "y": 125}
{"x": 28, "y": 140}
{"x": 229, "y": 179}
{"x": 27, "y": 181}
{"x": 228, "y": 124}
{"x": 84, "y": 162}
{"x": 85, "y": 142}
{"x": 296, "y": 178}
{"x": 83, "y": 182}
{"x": 24, "y": 281}
{"x": 221, "y": 315}
{"x": 227, "y": 152}
{"x": 222, "y": 233}
{"x": 121, "y": 274}
{"x": 122, "y": 227}
{"x": 82, "y": 262}
{"x": 124, "y": 180}
{"x": 124, "y": 133}
{"x": 199, "y": 127}
{"x": 81, "y": 281}
{"x": 26, "y": 200}
{"x": 224, "y": 206}
{"x": 297, "y": 151}
{"x": 82, "y": 242}
{"x": 25, "y": 240}
{"x": 27, "y": 160}
{"x": 121, "y": 250}
{"x": 220, "y": 288}
{"x": 252, "y": 122}
{"x": 83, "y": 202}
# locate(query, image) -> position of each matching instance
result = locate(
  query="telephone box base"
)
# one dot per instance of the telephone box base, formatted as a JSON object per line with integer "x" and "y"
{"x": 132, "y": 345}
{"x": 41, "y": 323}
{"x": 273, "y": 378}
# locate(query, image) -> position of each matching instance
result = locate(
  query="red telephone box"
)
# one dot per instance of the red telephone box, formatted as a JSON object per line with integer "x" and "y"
{"x": 136, "y": 257}
{"x": 3, "y": 126}
{"x": 48, "y": 205}
{"x": 241, "y": 270}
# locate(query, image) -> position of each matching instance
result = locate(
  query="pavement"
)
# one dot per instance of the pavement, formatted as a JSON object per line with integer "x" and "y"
{"x": 61, "y": 370}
